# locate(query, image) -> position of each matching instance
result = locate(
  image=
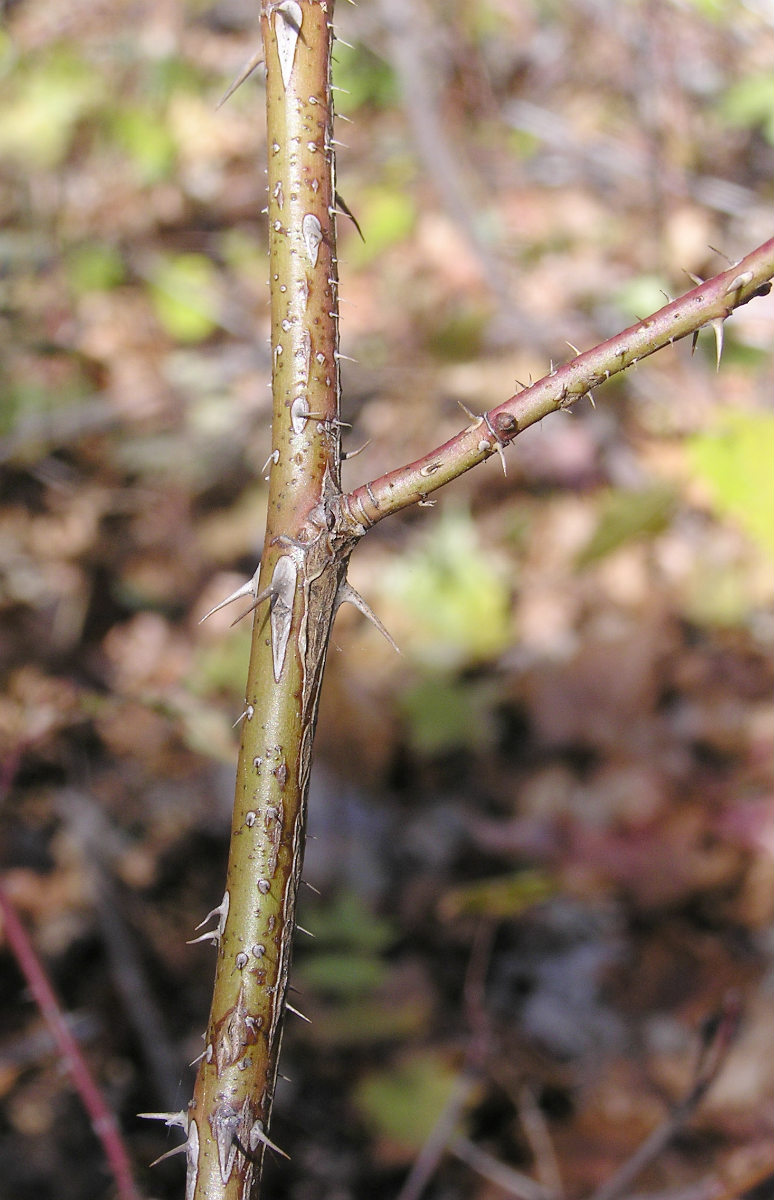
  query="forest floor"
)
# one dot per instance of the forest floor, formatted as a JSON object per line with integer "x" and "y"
{"x": 541, "y": 837}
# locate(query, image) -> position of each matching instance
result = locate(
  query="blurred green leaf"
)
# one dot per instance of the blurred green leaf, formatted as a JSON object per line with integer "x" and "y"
{"x": 404, "y": 1103}
{"x": 736, "y": 464}
{"x": 458, "y": 334}
{"x": 148, "y": 142}
{"x": 349, "y": 922}
{"x": 220, "y": 668}
{"x": 185, "y": 298}
{"x": 642, "y": 294}
{"x": 94, "y": 267}
{"x": 344, "y": 974}
{"x": 505, "y": 897}
{"x": 364, "y": 1022}
{"x": 750, "y": 103}
{"x": 455, "y": 593}
{"x": 386, "y": 215}
{"x": 626, "y": 515}
{"x": 442, "y": 714}
{"x": 50, "y": 98}
{"x": 364, "y": 78}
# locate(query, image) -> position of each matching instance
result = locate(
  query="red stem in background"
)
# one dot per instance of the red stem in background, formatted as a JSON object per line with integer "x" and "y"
{"x": 103, "y": 1121}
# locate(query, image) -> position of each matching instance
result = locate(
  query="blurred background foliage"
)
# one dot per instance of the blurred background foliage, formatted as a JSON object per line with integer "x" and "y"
{"x": 572, "y": 752}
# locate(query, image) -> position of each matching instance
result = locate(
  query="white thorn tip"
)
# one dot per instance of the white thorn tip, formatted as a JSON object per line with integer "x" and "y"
{"x": 170, "y": 1154}
{"x": 347, "y": 595}
{"x": 169, "y": 1119}
{"x": 717, "y": 329}
{"x": 239, "y": 79}
{"x": 296, "y": 1013}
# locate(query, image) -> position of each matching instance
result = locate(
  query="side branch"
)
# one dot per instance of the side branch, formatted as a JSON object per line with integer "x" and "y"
{"x": 711, "y": 303}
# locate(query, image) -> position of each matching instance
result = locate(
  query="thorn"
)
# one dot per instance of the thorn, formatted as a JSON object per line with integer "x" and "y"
{"x": 339, "y": 356}
{"x": 244, "y": 74}
{"x": 497, "y": 443}
{"x": 247, "y": 589}
{"x": 347, "y": 44}
{"x": 308, "y": 932}
{"x": 346, "y": 209}
{"x": 354, "y": 453}
{"x": 717, "y": 328}
{"x": 347, "y": 595}
{"x": 694, "y": 340}
{"x": 273, "y": 458}
{"x": 257, "y": 1135}
{"x": 169, "y": 1119}
{"x": 473, "y": 416}
{"x": 575, "y": 348}
{"x": 311, "y": 887}
{"x": 170, "y": 1154}
{"x": 738, "y": 282}
{"x": 212, "y": 935}
{"x": 592, "y": 402}
{"x": 697, "y": 279}
{"x": 283, "y": 10}
{"x": 296, "y": 1013}
{"x": 720, "y": 254}
{"x": 425, "y": 503}
{"x": 220, "y": 911}
{"x": 259, "y": 599}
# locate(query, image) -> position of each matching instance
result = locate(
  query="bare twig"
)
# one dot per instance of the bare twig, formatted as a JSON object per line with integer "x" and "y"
{"x": 717, "y": 1039}
{"x": 441, "y": 1136}
{"x": 103, "y": 1122}
{"x": 512, "y": 1182}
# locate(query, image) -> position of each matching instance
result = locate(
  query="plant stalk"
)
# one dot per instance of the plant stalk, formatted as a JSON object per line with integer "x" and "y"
{"x": 302, "y": 570}
{"x": 311, "y": 531}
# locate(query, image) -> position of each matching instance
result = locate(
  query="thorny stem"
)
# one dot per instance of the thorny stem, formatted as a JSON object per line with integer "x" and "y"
{"x": 302, "y": 570}
{"x": 311, "y": 531}
{"x": 712, "y": 302}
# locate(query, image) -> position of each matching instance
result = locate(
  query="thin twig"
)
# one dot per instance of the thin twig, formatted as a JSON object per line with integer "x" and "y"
{"x": 103, "y": 1121}
{"x": 511, "y": 1181}
{"x": 537, "y": 1133}
{"x": 718, "y": 1037}
{"x": 442, "y": 1132}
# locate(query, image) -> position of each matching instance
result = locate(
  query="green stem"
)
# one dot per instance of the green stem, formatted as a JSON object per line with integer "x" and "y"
{"x": 302, "y": 570}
